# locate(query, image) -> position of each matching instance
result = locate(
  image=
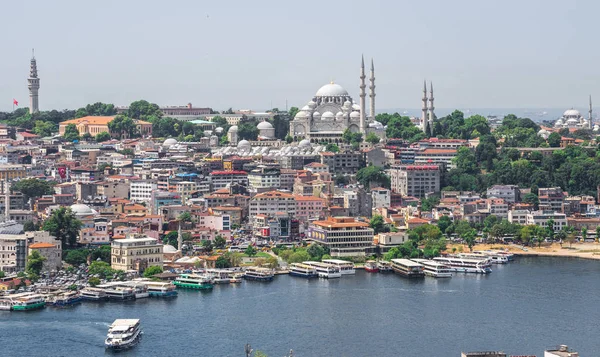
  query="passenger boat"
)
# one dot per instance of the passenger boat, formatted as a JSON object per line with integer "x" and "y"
{"x": 407, "y": 268}
{"x": 120, "y": 293}
{"x": 303, "y": 270}
{"x": 384, "y": 266}
{"x": 465, "y": 265}
{"x": 140, "y": 290}
{"x": 371, "y": 266}
{"x": 493, "y": 256}
{"x": 67, "y": 299}
{"x": 123, "y": 334}
{"x": 486, "y": 258}
{"x": 236, "y": 278}
{"x": 258, "y": 274}
{"x": 220, "y": 276}
{"x": 325, "y": 270}
{"x": 346, "y": 267}
{"x": 5, "y": 304}
{"x": 160, "y": 289}
{"x": 434, "y": 269}
{"x": 93, "y": 294}
{"x": 510, "y": 256}
{"x": 27, "y": 301}
{"x": 193, "y": 281}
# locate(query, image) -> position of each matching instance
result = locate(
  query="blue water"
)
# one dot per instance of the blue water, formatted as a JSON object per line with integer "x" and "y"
{"x": 521, "y": 308}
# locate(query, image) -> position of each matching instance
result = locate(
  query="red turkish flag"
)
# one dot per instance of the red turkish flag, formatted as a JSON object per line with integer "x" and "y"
{"x": 15, "y": 102}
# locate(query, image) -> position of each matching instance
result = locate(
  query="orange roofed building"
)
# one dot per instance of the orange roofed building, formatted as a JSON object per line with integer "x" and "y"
{"x": 344, "y": 236}
{"x": 95, "y": 125}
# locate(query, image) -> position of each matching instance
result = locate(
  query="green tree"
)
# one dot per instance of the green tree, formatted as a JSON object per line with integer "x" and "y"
{"x": 33, "y": 187}
{"x": 185, "y": 217}
{"x": 584, "y": 232}
{"x": 531, "y": 198}
{"x": 63, "y": 225}
{"x": 102, "y": 136}
{"x": 2, "y": 274}
{"x": 94, "y": 281}
{"x": 378, "y": 224}
{"x": 171, "y": 238}
{"x": 247, "y": 131}
{"x": 122, "y": 126}
{"x": 76, "y": 257}
{"x": 427, "y": 204}
{"x": 220, "y": 242}
{"x": 443, "y": 223}
{"x": 222, "y": 263}
{"x": 597, "y": 233}
{"x": 35, "y": 263}
{"x": 292, "y": 112}
{"x": 315, "y": 251}
{"x": 299, "y": 256}
{"x": 152, "y": 271}
{"x": 86, "y": 137}
{"x": 144, "y": 110}
{"x": 372, "y": 138}
{"x": 550, "y": 229}
{"x": 332, "y": 148}
{"x": 250, "y": 251}
{"x": 554, "y": 140}
{"x": 71, "y": 133}
{"x": 372, "y": 174}
{"x": 570, "y": 238}
{"x": 44, "y": 128}
{"x": 96, "y": 109}
{"x": 469, "y": 238}
{"x": 207, "y": 246}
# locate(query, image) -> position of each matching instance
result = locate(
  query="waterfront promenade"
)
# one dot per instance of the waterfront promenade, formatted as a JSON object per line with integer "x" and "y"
{"x": 577, "y": 250}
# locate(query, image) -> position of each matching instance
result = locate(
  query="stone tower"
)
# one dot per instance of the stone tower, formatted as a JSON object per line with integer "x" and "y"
{"x": 424, "y": 119}
{"x": 590, "y": 114}
{"x": 363, "y": 94}
{"x": 372, "y": 92}
{"x": 33, "y": 85}
{"x": 431, "y": 114}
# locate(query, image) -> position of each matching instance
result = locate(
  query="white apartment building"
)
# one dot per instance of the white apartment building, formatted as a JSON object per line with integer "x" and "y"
{"x": 518, "y": 216}
{"x": 344, "y": 236}
{"x": 540, "y": 218}
{"x": 381, "y": 197}
{"x": 436, "y": 156}
{"x": 509, "y": 193}
{"x": 415, "y": 180}
{"x": 185, "y": 189}
{"x": 269, "y": 203}
{"x": 136, "y": 254}
{"x": 262, "y": 178}
{"x": 215, "y": 222}
{"x": 316, "y": 167}
{"x": 141, "y": 191}
{"x": 13, "y": 252}
{"x": 497, "y": 207}
{"x": 222, "y": 179}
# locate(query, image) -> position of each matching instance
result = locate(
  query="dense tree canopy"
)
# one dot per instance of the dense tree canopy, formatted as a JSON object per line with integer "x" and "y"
{"x": 63, "y": 225}
{"x": 96, "y": 109}
{"x": 372, "y": 174}
{"x": 33, "y": 187}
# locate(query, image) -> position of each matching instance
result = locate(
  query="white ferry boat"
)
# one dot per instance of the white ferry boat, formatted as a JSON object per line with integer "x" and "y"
{"x": 407, "y": 268}
{"x": 194, "y": 281}
{"x": 465, "y": 265}
{"x": 93, "y": 294}
{"x": 27, "y": 301}
{"x": 346, "y": 267}
{"x": 303, "y": 270}
{"x": 140, "y": 290}
{"x": 119, "y": 293}
{"x": 384, "y": 266}
{"x": 5, "y": 304}
{"x": 160, "y": 289}
{"x": 488, "y": 259}
{"x": 258, "y": 274}
{"x": 510, "y": 256}
{"x": 221, "y": 276}
{"x": 434, "y": 269}
{"x": 495, "y": 257}
{"x": 324, "y": 270}
{"x": 123, "y": 334}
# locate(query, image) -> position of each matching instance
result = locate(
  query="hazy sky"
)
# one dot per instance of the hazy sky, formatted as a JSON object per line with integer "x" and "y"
{"x": 249, "y": 54}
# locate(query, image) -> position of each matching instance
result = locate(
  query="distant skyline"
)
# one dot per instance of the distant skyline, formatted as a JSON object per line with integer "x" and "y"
{"x": 254, "y": 55}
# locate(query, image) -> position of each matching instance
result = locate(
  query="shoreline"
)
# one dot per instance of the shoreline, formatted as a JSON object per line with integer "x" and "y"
{"x": 583, "y": 251}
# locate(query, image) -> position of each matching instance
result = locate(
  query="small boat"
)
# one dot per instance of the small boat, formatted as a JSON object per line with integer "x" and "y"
{"x": 160, "y": 289}
{"x": 27, "y": 301}
{"x": 5, "y": 304}
{"x": 303, "y": 270}
{"x": 194, "y": 281}
{"x": 407, "y": 268}
{"x": 324, "y": 270}
{"x": 258, "y": 274}
{"x": 93, "y": 294}
{"x": 123, "y": 334}
{"x": 384, "y": 266}
{"x": 371, "y": 266}
{"x": 67, "y": 299}
{"x": 236, "y": 278}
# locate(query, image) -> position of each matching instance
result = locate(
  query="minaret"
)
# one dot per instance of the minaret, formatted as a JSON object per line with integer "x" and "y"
{"x": 424, "y": 108}
{"x": 7, "y": 201}
{"x": 362, "y": 97}
{"x": 431, "y": 115}
{"x": 33, "y": 85}
{"x": 372, "y": 92}
{"x": 179, "y": 238}
{"x": 590, "y": 114}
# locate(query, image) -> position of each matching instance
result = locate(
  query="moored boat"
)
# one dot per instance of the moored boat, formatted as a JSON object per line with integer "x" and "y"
{"x": 258, "y": 274}
{"x": 346, "y": 267}
{"x": 384, "y": 266}
{"x": 434, "y": 269}
{"x": 5, "y": 304}
{"x": 119, "y": 293}
{"x": 221, "y": 276}
{"x": 27, "y": 301}
{"x": 303, "y": 270}
{"x": 93, "y": 294}
{"x": 465, "y": 265}
{"x": 140, "y": 290}
{"x": 160, "y": 289}
{"x": 325, "y": 270}
{"x": 371, "y": 266}
{"x": 123, "y": 334}
{"x": 193, "y": 281}
{"x": 67, "y": 299}
{"x": 407, "y": 268}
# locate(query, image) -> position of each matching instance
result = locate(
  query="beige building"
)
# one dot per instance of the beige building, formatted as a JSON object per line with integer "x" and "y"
{"x": 136, "y": 254}
{"x": 95, "y": 125}
{"x": 52, "y": 253}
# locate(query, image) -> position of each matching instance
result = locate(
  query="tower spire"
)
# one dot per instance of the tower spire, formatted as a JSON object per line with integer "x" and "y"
{"x": 33, "y": 83}
{"x": 363, "y": 94}
{"x": 179, "y": 238}
{"x": 430, "y": 113}
{"x": 372, "y": 92}
{"x": 424, "y": 108}
{"x": 590, "y": 114}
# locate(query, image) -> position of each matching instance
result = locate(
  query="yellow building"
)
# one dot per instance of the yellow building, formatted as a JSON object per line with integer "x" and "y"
{"x": 136, "y": 254}
{"x": 95, "y": 125}
{"x": 14, "y": 171}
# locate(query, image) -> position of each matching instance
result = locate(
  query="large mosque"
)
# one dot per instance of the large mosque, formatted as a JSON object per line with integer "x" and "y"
{"x": 332, "y": 110}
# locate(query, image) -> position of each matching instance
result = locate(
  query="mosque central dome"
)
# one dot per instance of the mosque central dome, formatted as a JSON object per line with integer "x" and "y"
{"x": 331, "y": 90}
